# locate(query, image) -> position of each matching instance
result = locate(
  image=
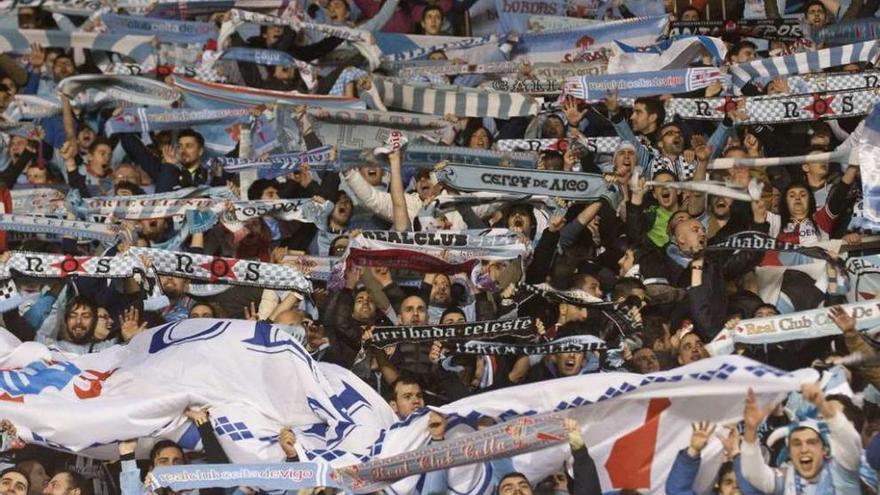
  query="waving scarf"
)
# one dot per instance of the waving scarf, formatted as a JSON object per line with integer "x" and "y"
{"x": 98, "y": 91}
{"x": 565, "y": 185}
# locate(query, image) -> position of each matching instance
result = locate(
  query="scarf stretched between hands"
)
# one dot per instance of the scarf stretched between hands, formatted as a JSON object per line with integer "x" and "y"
{"x": 38, "y": 201}
{"x": 455, "y": 100}
{"x": 138, "y": 48}
{"x": 143, "y": 120}
{"x": 715, "y": 188}
{"x": 366, "y": 128}
{"x": 166, "y": 30}
{"x": 768, "y": 29}
{"x": 848, "y": 31}
{"x": 386, "y": 336}
{"x": 759, "y": 241}
{"x": 319, "y": 159}
{"x": 426, "y": 155}
{"x": 831, "y": 156}
{"x": 48, "y": 225}
{"x": 262, "y": 56}
{"x": 575, "y": 343}
{"x": 201, "y": 71}
{"x": 98, "y": 91}
{"x": 810, "y": 324}
{"x": 833, "y": 81}
{"x": 803, "y": 63}
{"x": 634, "y": 85}
{"x": 780, "y": 108}
{"x": 203, "y": 93}
{"x": 417, "y": 68}
{"x": 232, "y": 271}
{"x": 566, "y": 185}
{"x": 511, "y": 438}
{"x": 45, "y": 265}
{"x": 33, "y": 107}
{"x": 434, "y": 252}
{"x": 593, "y": 144}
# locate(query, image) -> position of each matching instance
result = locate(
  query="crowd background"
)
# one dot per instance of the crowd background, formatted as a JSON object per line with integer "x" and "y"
{"x": 629, "y": 265}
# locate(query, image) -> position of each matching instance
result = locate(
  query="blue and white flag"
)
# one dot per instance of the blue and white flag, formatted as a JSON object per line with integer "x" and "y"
{"x": 166, "y": 30}
{"x": 869, "y": 162}
{"x": 804, "y": 62}
{"x": 242, "y": 372}
{"x": 203, "y": 94}
{"x": 668, "y": 54}
{"x": 514, "y": 15}
{"x": 674, "y": 81}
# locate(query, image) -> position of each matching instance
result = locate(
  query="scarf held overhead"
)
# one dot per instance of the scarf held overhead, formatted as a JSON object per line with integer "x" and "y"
{"x": 385, "y": 336}
{"x": 566, "y": 185}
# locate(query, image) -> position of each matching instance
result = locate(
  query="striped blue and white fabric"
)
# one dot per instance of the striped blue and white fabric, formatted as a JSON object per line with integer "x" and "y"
{"x": 464, "y": 102}
{"x": 805, "y": 62}
{"x": 136, "y": 47}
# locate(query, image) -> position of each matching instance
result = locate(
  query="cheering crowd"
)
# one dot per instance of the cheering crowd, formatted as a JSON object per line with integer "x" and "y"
{"x": 435, "y": 280}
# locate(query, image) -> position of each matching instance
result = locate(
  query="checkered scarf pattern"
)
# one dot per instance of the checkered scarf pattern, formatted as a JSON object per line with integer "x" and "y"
{"x": 781, "y": 108}
{"x": 593, "y": 144}
{"x": 231, "y": 271}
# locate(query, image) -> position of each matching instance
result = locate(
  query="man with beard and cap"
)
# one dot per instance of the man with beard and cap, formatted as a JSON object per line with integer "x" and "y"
{"x": 819, "y": 464}
{"x": 77, "y": 334}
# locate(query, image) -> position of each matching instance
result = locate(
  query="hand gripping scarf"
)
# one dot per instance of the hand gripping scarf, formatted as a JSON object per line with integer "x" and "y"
{"x": 231, "y": 271}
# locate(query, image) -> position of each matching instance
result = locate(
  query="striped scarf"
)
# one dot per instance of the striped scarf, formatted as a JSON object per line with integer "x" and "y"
{"x": 98, "y": 91}
{"x": 318, "y": 159}
{"x": 138, "y": 48}
{"x": 804, "y": 63}
{"x": 144, "y": 120}
{"x": 56, "y": 226}
{"x": 462, "y": 102}
{"x": 596, "y": 88}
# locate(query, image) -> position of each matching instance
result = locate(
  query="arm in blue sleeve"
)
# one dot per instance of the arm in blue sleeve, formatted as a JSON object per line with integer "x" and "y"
{"x": 719, "y": 137}
{"x": 436, "y": 483}
{"x": 32, "y": 84}
{"x": 40, "y": 310}
{"x": 682, "y": 475}
{"x": 744, "y": 486}
{"x": 642, "y": 152}
{"x": 130, "y": 479}
{"x": 164, "y": 176}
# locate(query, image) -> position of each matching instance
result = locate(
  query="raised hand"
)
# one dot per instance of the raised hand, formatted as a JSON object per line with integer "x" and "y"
{"x": 572, "y": 114}
{"x": 702, "y": 432}
{"x": 730, "y": 442}
{"x": 287, "y": 440}
{"x": 575, "y": 438}
{"x": 251, "y": 313}
{"x": 436, "y": 426}
{"x": 842, "y": 319}
{"x": 198, "y": 416}
{"x": 754, "y": 415}
{"x": 130, "y": 324}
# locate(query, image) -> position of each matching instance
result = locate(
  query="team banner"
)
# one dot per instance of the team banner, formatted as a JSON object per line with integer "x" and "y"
{"x": 166, "y": 30}
{"x": 634, "y": 85}
{"x": 231, "y": 271}
{"x": 804, "y": 62}
{"x": 138, "y": 48}
{"x": 386, "y": 336}
{"x": 133, "y": 208}
{"x": 781, "y": 108}
{"x": 575, "y": 343}
{"x": 97, "y": 91}
{"x": 769, "y": 29}
{"x": 441, "y": 251}
{"x": 802, "y": 325}
{"x": 287, "y": 476}
{"x": 566, "y": 185}
{"x": 455, "y": 100}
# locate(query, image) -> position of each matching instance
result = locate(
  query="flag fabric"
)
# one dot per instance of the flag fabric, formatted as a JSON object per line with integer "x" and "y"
{"x": 669, "y": 54}
{"x": 633, "y": 424}
{"x": 136, "y": 47}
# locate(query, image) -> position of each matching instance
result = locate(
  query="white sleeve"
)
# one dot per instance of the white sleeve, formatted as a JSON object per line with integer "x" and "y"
{"x": 756, "y": 472}
{"x": 378, "y": 202}
{"x": 846, "y": 444}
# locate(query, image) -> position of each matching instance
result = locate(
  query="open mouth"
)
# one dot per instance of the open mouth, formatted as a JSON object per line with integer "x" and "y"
{"x": 806, "y": 462}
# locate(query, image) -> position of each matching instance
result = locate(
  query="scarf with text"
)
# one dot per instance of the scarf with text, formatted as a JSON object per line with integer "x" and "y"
{"x": 833, "y": 81}
{"x": 847, "y": 31}
{"x": 45, "y": 265}
{"x": 32, "y": 107}
{"x": 780, "y": 108}
{"x": 593, "y": 144}
{"x": 434, "y": 252}
{"x": 386, "y": 336}
{"x": 98, "y": 91}
{"x": 318, "y": 159}
{"x": 455, "y": 100}
{"x": 320, "y": 268}
{"x": 428, "y": 155}
{"x": 417, "y": 68}
{"x": 574, "y": 343}
{"x": 166, "y": 30}
{"x": 200, "y": 71}
{"x": 138, "y": 48}
{"x": 804, "y": 63}
{"x": 634, "y": 85}
{"x": 231, "y": 271}
{"x": 759, "y": 241}
{"x": 38, "y": 201}
{"x": 144, "y": 120}
{"x": 260, "y": 56}
{"x": 566, "y": 185}
{"x": 56, "y": 226}
{"x": 768, "y": 29}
